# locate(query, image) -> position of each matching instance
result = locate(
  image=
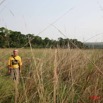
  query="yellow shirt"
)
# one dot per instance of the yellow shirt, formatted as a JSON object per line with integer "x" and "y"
{"x": 14, "y": 63}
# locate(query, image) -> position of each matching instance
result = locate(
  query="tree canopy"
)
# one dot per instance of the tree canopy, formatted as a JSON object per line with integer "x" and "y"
{"x": 15, "y": 39}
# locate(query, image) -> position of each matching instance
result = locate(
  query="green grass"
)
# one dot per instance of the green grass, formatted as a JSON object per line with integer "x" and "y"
{"x": 54, "y": 76}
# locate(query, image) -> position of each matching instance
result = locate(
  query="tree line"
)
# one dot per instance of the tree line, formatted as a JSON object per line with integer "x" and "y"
{"x": 15, "y": 39}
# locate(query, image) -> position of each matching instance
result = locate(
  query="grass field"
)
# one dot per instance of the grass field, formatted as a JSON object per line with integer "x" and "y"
{"x": 54, "y": 76}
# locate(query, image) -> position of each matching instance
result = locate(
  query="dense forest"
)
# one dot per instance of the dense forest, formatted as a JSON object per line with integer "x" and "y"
{"x": 15, "y": 39}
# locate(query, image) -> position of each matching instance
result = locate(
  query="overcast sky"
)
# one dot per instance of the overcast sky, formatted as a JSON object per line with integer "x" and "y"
{"x": 79, "y": 19}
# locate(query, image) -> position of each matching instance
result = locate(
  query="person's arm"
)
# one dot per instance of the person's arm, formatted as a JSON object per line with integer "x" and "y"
{"x": 20, "y": 65}
{"x": 9, "y": 67}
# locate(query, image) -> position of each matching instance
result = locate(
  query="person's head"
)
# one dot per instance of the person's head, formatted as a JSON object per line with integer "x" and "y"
{"x": 15, "y": 52}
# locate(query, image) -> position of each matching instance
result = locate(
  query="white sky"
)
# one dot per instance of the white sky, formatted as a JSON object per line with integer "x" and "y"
{"x": 79, "y": 19}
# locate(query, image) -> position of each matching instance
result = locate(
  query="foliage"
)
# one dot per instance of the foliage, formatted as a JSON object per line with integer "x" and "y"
{"x": 15, "y": 39}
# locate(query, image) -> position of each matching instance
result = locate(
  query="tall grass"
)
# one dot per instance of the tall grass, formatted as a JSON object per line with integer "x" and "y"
{"x": 54, "y": 76}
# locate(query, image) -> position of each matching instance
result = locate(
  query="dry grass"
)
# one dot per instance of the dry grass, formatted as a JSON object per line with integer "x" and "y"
{"x": 55, "y": 76}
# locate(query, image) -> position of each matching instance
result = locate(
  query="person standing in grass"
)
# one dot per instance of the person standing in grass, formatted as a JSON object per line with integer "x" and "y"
{"x": 14, "y": 65}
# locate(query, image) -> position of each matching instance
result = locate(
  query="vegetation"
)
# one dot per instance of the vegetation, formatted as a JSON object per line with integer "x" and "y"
{"x": 15, "y": 39}
{"x": 48, "y": 75}
{"x": 94, "y": 45}
{"x": 54, "y": 76}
